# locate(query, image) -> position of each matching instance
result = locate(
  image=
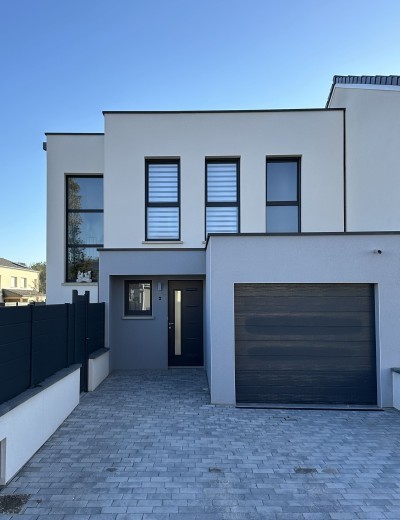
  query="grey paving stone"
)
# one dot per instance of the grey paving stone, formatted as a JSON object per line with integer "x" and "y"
{"x": 148, "y": 445}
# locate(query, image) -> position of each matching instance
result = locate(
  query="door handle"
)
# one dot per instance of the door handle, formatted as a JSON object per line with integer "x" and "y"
{"x": 170, "y": 325}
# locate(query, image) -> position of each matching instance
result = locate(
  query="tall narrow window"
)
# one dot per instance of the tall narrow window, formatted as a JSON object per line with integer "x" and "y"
{"x": 162, "y": 199}
{"x": 283, "y": 195}
{"x": 222, "y": 196}
{"x": 84, "y": 225}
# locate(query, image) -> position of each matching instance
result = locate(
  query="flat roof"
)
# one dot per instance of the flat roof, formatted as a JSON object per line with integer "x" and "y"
{"x": 244, "y": 111}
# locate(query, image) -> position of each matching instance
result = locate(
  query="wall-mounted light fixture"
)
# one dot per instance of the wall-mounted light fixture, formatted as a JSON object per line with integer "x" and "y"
{"x": 159, "y": 286}
{"x": 378, "y": 251}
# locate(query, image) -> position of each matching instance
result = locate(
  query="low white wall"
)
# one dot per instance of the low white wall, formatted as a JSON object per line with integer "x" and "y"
{"x": 99, "y": 368}
{"x": 396, "y": 388}
{"x": 25, "y": 428}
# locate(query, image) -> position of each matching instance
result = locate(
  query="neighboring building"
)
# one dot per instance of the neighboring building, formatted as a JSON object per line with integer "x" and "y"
{"x": 18, "y": 284}
{"x": 262, "y": 244}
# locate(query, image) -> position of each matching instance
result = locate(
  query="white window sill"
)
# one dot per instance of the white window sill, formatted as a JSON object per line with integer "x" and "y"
{"x": 137, "y": 317}
{"x": 81, "y": 284}
{"x": 157, "y": 242}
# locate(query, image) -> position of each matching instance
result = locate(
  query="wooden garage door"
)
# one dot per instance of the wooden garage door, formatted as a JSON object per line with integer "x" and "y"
{"x": 305, "y": 343}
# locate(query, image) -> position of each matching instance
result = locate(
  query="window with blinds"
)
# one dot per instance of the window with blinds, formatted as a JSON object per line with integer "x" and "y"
{"x": 162, "y": 200}
{"x": 222, "y": 196}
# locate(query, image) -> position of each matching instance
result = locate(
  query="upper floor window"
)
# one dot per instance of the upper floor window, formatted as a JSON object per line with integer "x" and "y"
{"x": 84, "y": 225}
{"x": 222, "y": 196}
{"x": 13, "y": 281}
{"x": 283, "y": 195}
{"x": 163, "y": 199}
{"x": 24, "y": 283}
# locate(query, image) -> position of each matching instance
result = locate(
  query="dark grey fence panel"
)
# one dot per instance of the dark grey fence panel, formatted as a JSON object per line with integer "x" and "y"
{"x": 49, "y": 340}
{"x": 15, "y": 343}
{"x": 96, "y": 318}
{"x": 37, "y": 341}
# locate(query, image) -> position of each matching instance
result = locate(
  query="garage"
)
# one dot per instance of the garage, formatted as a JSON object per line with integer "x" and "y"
{"x": 305, "y": 344}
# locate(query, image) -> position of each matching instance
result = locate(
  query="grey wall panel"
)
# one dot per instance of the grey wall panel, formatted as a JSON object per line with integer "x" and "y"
{"x": 139, "y": 343}
{"x": 142, "y": 343}
{"x": 177, "y": 262}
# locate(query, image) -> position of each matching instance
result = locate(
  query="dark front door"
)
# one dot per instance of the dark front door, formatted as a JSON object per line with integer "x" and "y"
{"x": 185, "y": 323}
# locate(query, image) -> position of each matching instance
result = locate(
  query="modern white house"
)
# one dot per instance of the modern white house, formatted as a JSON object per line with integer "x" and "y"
{"x": 263, "y": 245}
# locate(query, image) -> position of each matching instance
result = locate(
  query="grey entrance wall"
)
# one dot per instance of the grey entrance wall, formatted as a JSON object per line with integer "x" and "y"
{"x": 138, "y": 342}
{"x": 329, "y": 258}
{"x": 142, "y": 343}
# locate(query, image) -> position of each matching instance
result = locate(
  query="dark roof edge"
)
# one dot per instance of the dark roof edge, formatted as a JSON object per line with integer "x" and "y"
{"x": 219, "y": 111}
{"x": 74, "y": 133}
{"x": 363, "y": 80}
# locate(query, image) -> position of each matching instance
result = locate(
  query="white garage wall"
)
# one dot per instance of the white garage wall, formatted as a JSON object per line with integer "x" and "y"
{"x": 299, "y": 259}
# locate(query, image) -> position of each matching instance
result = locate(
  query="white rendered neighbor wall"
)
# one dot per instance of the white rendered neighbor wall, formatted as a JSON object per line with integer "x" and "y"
{"x": 315, "y": 136}
{"x": 25, "y": 428}
{"x": 66, "y": 155}
{"x": 372, "y": 155}
{"x": 299, "y": 259}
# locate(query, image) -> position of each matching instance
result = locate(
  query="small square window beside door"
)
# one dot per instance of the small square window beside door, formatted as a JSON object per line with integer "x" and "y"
{"x": 283, "y": 195}
{"x": 138, "y": 298}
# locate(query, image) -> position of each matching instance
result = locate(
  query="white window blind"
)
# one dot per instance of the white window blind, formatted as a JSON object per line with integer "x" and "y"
{"x": 162, "y": 204}
{"x": 222, "y": 200}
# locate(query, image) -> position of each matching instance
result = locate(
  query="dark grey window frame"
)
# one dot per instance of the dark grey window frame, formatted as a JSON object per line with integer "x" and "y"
{"x": 219, "y": 160}
{"x": 68, "y": 211}
{"x": 297, "y": 203}
{"x": 127, "y": 312}
{"x": 148, "y": 204}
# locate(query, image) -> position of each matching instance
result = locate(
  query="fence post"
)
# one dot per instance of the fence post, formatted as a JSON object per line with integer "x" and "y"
{"x": 31, "y": 378}
{"x": 67, "y": 332}
{"x": 86, "y": 352}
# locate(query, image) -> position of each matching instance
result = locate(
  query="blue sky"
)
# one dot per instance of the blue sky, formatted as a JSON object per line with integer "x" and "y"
{"x": 64, "y": 61}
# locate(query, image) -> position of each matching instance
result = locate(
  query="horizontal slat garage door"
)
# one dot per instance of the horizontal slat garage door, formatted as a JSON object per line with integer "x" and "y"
{"x": 305, "y": 344}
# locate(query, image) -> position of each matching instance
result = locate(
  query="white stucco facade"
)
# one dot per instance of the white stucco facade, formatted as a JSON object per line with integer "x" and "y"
{"x": 67, "y": 154}
{"x": 314, "y": 136}
{"x": 372, "y": 168}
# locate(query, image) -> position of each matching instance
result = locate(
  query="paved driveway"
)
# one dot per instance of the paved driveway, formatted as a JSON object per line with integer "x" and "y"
{"x": 148, "y": 445}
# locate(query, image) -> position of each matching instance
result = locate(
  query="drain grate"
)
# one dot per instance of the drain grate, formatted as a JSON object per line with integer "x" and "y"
{"x": 215, "y": 470}
{"x": 305, "y": 470}
{"x": 12, "y": 503}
